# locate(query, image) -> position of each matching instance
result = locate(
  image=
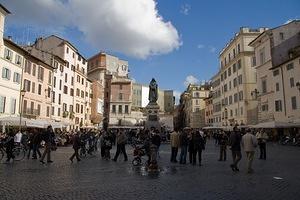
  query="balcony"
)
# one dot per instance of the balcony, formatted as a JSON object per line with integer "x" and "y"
{"x": 31, "y": 113}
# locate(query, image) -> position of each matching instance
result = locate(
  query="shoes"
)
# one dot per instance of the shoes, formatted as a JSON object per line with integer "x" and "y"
{"x": 250, "y": 171}
{"x": 34, "y": 158}
{"x": 42, "y": 161}
{"x": 71, "y": 160}
{"x": 232, "y": 167}
{"x": 219, "y": 160}
{"x": 114, "y": 160}
{"x": 49, "y": 161}
{"x": 237, "y": 169}
{"x": 78, "y": 160}
{"x": 175, "y": 161}
{"x": 125, "y": 160}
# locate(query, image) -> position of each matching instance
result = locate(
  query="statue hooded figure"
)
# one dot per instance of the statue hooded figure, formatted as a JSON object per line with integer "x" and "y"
{"x": 153, "y": 94}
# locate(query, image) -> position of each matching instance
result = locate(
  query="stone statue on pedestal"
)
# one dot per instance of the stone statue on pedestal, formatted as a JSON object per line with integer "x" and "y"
{"x": 153, "y": 93}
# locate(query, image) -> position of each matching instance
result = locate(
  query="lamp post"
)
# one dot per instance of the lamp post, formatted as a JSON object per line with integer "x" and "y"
{"x": 22, "y": 92}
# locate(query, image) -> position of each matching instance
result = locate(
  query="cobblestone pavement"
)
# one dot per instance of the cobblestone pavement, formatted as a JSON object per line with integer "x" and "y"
{"x": 94, "y": 178}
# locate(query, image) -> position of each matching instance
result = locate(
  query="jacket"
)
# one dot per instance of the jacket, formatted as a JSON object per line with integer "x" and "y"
{"x": 198, "y": 142}
{"x": 249, "y": 142}
{"x": 76, "y": 142}
{"x": 235, "y": 141}
{"x": 121, "y": 138}
{"x": 183, "y": 139}
{"x": 174, "y": 139}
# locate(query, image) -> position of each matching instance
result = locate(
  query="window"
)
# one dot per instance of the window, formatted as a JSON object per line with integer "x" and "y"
{"x": 82, "y": 94}
{"x": 61, "y": 68}
{"x": 264, "y": 107}
{"x": 231, "y": 113}
{"x": 121, "y": 86}
{"x": 264, "y": 86}
{"x": 235, "y": 97}
{"x": 281, "y": 35}
{"x": 39, "y": 109}
{"x": 278, "y": 106}
{"x": 6, "y": 73}
{"x": 48, "y": 111}
{"x": 277, "y": 87}
{"x": 113, "y": 108}
{"x": 65, "y": 107}
{"x": 120, "y": 108}
{"x": 59, "y": 99}
{"x": 238, "y": 48}
{"x": 234, "y": 82}
{"x": 18, "y": 59}
{"x": 229, "y": 85}
{"x": 292, "y": 83}
{"x": 241, "y": 97}
{"x": 72, "y": 92}
{"x": 120, "y": 96}
{"x": 78, "y": 78}
{"x": 58, "y": 112}
{"x": 82, "y": 81}
{"x": 8, "y": 54}
{"x": 53, "y": 97}
{"x": 79, "y": 58}
{"x": 242, "y": 111}
{"x": 294, "y": 103}
{"x": 275, "y": 72}
{"x": 60, "y": 84}
{"x": 67, "y": 49}
{"x": 2, "y": 104}
{"x": 49, "y": 92}
{"x": 77, "y": 92}
{"x": 26, "y": 86}
{"x": 71, "y": 108}
{"x": 52, "y": 110}
{"x": 40, "y": 89}
{"x": 262, "y": 56}
{"x": 290, "y": 66}
{"x": 33, "y": 87}
{"x": 41, "y": 73}
{"x": 77, "y": 108}
{"x": 72, "y": 80}
{"x": 66, "y": 78}
{"x": 50, "y": 78}
{"x": 225, "y": 75}
{"x": 33, "y": 69}
{"x": 233, "y": 53}
{"x": 230, "y": 99}
{"x": 81, "y": 109}
{"x": 31, "y": 107}
{"x": 13, "y": 106}
{"x": 65, "y": 90}
{"x": 17, "y": 78}
{"x": 229, "y": 71}
{"x": 240, "y": 79}
{"x": 253, "y": 61}
{"x": 234, "y": 68}
{"x": 225, "y": 88}
{"x": 54, "y": 82}
{"x": 27, "y": 68}
{"x": 239, "y": 64}
{"x": 67, "y": 64}
{"x": 55, "y": 64}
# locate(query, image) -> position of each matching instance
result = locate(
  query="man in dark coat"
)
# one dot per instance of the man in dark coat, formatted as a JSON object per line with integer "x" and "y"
{"x": 121, "y": 141}
{"x": 76, "y": 147}
{"x": 183, "y": 145}
{"x": 223, "y": 146}
{"x": 235, "y": 143}
{"x": 36, "y": 142}
{"x": 48, "y": 137}
{"x": 9, "y": 142}
{"x": 198, "y": 146}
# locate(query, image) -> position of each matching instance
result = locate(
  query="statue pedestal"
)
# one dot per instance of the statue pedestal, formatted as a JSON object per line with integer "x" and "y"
{"x": 152, "y": 112}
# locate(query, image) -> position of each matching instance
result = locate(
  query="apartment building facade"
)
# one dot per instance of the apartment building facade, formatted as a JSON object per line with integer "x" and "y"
{"x": 237, "y": 76}
{"x": 277, "y": 66}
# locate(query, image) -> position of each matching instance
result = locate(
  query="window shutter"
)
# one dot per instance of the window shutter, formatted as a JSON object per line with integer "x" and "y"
{"x": 3, "y": 72}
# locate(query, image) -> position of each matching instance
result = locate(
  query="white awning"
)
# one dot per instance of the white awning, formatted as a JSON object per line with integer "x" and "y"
{"x": 12, "y": 121}
{"x": 274, "y": 124}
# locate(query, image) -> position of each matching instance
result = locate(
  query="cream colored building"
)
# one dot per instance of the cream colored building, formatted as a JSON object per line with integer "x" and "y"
{"x": 11, "y": 64}
{"x": 237, "y": 77}
{"x": 216, "y": 100}
{"x": 194, "y": 105}
{"x": 278, "y": 72}
{"x": 71, "y": 79}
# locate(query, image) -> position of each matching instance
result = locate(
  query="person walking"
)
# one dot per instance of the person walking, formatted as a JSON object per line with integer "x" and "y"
{"x": 121, "y": 141}
{"x": 30, "y": 144}
{"x": 191, "y": 136}
{"x": 183, "y": 145}
{"x": 198, "y": 146}
{"x": 249, "y": 142}
{"x": 174, "y": 141}
{"x": 9, "y": 143}
{"x": 48, "y": 137}
{"x": 223, "y": 146}
{"x": 36, "y": 142}
{"x": 76, "y": 147}
{"x": 262, "y": 138}
{"x": 235, "y": 145}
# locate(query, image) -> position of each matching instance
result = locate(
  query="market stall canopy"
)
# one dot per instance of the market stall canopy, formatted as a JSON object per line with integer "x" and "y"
{"x": 13, "y": 121}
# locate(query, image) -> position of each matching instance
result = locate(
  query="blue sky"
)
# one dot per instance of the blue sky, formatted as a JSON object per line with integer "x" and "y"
{"x": 203, "y": 28}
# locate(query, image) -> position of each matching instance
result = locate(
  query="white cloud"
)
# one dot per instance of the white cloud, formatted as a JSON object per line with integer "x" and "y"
{"x": 200, "y": 46}
{"x": 185, "y": 9}
{"x": 132, "y": 27}
{"x": 212, "y": 49}
{"x": 176, "y": 94}
{"x": 190, "y": 80}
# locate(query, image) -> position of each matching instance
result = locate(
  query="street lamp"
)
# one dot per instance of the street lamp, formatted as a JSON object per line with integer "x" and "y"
{"x": 22, "y": 92}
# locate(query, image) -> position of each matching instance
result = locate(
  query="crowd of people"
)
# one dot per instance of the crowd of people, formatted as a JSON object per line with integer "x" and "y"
{"x": 191, "y": 143}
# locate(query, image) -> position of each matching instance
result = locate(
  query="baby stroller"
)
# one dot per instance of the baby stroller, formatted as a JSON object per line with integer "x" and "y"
{"x": 138, "y": 153}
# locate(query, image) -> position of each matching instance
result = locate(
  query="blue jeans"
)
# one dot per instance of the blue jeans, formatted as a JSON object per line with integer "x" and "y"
{"x": 183, "y": 154}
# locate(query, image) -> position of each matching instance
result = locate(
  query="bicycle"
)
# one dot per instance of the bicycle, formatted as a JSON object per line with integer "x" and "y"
{"x": 18, "y": 152}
